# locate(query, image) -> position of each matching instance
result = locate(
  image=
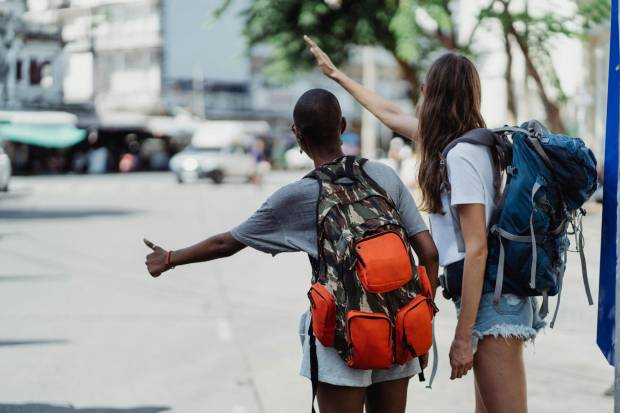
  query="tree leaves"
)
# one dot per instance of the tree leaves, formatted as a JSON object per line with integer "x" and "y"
{"x": 414, "y": 31}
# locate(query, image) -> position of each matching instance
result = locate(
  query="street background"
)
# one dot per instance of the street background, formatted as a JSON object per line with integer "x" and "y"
{"x": 85, "y": 326}
{"x": 171, "y": 120}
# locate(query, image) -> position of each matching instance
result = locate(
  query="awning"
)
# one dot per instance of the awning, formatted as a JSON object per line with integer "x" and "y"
{"x": 47, "y": 135}
{"x": 38, "y": 117}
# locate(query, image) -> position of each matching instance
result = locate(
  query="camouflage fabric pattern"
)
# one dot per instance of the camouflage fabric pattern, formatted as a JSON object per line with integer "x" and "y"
{"x": 349, "y": 211}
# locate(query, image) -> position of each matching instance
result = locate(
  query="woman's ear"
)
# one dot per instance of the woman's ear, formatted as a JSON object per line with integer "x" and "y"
{"x": 343, "y": 125}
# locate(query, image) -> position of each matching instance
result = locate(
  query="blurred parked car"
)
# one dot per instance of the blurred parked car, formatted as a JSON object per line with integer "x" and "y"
{"x": 219, "y": 149}
{"x": 215, "y": 163}
{"x": 5, "y": 171}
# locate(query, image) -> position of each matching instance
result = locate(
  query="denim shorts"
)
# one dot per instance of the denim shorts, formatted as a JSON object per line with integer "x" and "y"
{"x": 512, "y": 317}
{"x": 333, "y": 370}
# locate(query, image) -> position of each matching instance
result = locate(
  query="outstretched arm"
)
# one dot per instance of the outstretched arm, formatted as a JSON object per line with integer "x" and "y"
{"x": 387, "y": 112}
{"x": 218, "y": 246}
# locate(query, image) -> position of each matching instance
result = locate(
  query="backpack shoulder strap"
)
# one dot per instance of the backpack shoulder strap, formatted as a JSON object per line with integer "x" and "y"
{"x": 480, "y": 136}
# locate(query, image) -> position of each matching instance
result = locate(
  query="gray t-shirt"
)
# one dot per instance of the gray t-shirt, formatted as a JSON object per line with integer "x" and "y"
{"x": 286, "y": 222}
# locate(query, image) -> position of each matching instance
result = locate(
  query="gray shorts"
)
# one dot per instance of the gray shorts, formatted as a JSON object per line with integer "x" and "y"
{"x": 333, "y": 370}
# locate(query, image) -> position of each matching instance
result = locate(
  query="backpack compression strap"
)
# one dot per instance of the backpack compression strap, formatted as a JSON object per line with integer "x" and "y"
{"x": 314, "y": 365}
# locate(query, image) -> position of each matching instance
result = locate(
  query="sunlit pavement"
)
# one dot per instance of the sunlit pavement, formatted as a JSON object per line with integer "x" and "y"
{"x": 82, "y": 324}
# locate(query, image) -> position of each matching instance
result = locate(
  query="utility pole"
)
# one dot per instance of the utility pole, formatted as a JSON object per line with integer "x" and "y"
{"x": 198, "y": 92}
{"x": 369, "y": 122}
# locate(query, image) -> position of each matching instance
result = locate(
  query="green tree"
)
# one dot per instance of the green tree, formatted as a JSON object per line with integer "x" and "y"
{"x": 414, "y": 32}
{"x": 534, "y": 35}
{"x": 390, "y": 24}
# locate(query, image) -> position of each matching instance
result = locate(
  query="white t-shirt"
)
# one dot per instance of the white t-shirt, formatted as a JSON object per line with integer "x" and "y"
{"x": 471, "y": 176}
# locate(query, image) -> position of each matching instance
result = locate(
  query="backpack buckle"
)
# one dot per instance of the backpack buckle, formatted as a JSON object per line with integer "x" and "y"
{"x": 511, "y": 170}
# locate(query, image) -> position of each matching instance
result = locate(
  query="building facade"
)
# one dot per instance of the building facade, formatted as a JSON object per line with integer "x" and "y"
{"x": 31, "y": 60}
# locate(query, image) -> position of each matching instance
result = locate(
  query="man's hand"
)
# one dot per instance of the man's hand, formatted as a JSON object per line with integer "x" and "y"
{"x": 156, "y": 260}
{"x": 461, "y": 357}
{"x": 322, "y": 59}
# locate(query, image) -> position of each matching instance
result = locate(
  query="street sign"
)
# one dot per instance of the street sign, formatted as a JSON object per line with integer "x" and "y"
{"x": 607, "y": 282}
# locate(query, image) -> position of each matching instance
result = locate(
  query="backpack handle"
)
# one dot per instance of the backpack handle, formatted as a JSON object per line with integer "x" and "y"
{"x": 348, "y": 171}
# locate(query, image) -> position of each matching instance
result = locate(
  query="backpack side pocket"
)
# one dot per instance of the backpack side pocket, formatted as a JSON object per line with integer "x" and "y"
{"x": 414, "y": 329}
{"x": 323, "y": 309}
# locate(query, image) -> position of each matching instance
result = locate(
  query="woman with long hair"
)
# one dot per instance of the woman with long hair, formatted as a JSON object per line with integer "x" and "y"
{"x": 489, "y": 338}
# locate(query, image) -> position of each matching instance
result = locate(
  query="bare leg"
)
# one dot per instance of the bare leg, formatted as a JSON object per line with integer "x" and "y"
{"x": 340, "y": 399}
{"x": 500, "y": 375}
{"x": 480, "y": 408}
{"x": 387, "y": 397}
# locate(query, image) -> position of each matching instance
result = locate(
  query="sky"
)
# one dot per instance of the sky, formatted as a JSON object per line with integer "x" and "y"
{"x": 217, "y": 47}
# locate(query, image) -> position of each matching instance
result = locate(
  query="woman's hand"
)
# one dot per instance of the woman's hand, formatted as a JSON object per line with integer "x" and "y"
{"x": 156, "y": 261}
{"x": 388, "y": 112}
{"x": 322, "y": 59}
{"x": 461, "y": 357}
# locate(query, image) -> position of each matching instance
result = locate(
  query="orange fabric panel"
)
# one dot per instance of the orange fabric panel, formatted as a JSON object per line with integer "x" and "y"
{"x": 370, "y": 338}
{"x": 414, "y": 329}
{"x": 323, "y": 308}
{"x": 383, "y": 262}
{"x": 425, "y": 282}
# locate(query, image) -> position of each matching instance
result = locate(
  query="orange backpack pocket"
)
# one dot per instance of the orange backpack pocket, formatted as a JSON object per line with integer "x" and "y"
{"x": 323, "y": 308}
{"x": 425, "y": 283}
{"x": 370, "y": 340}
{"x": 414, "y": 329}
{"x": 383, "y": 262}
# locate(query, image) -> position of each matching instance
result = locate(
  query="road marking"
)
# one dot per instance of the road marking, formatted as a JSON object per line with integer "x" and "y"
{"x": 224, "y": 330}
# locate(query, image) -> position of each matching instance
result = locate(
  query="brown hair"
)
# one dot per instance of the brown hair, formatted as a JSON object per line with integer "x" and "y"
{"x": 449, "y": 108}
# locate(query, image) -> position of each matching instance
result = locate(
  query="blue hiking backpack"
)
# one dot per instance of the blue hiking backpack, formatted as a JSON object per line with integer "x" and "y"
{"x": 548, "y": 179}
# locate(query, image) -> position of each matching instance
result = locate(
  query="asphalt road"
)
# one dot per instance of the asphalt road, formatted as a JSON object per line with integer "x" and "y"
{"x": 83, "y": 327}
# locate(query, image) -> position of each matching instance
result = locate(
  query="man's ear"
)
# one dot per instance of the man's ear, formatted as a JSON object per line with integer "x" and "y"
{"x": 300, "y": 139}
{"x": 343, "y": 125}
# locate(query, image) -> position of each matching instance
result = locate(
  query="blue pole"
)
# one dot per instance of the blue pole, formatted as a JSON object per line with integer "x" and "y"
{"x": 607, "y": 282}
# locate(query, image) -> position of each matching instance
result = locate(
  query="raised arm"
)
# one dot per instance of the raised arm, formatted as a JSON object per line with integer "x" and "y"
{"x": 387, "y": 112}
{"x": 218, "y": 246}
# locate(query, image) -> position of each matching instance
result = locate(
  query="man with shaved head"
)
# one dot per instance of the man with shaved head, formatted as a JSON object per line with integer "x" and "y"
{"x": 287, "y": 222}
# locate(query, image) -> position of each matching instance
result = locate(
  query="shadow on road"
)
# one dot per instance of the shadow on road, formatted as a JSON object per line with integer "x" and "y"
{"x": 48, "y": 408}
{"x": 30, "y": 277}
{"x": 13, "y": 195}
{"x": 7, "y": 343}
{"x": 62, "y": 213}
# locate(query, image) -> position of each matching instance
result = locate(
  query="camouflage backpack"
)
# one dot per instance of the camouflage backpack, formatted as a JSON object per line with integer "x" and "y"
{"x": 367, "y": 299}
